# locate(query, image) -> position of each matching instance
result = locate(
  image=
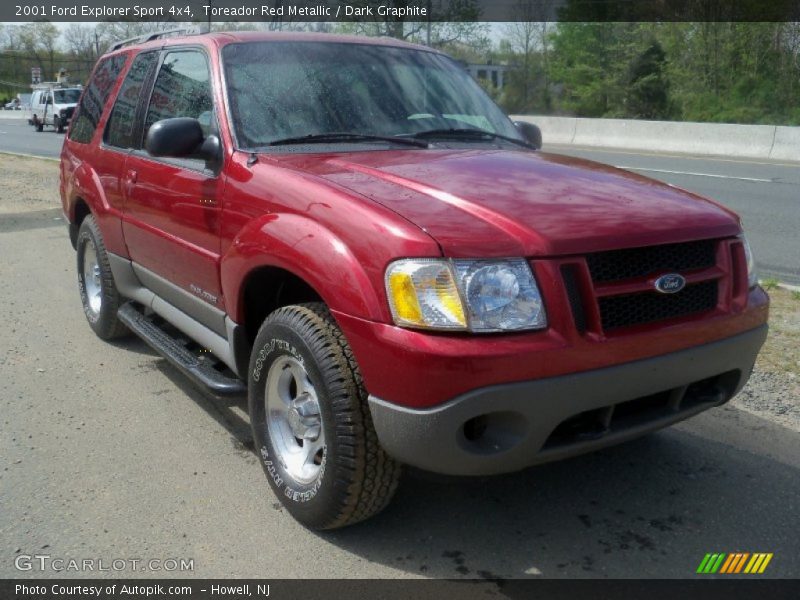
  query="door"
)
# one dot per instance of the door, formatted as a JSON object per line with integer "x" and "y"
{"x": 47, "y": 111}
{"x": 172, "y": 213}
{"x": 35, "y": 112}
{"x": 119, "y": 137}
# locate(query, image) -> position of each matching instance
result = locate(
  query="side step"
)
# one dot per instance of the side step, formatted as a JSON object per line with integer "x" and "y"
{"x": 178, "y": 350}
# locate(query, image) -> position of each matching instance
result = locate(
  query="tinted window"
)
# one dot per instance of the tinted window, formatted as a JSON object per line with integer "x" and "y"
{"x": 95, "y": 97}
{"x": 291, "y": 89}
{"x": 121, "y": 130}
{"x": 182, "y": 89}
{"x": 67, "y": 96}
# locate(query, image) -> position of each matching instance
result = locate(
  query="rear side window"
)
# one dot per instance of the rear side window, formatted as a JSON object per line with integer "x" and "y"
{"x": 121, "y": 130}
{"x": 95, "y": 97}
{"x": 182, "y": 89}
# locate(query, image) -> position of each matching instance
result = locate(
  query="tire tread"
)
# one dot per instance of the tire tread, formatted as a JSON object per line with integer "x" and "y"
{"x": 110, "y": 328}
{"x": 368, "y": 475}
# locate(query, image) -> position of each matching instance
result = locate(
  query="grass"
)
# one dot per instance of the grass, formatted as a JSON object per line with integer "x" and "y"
{"x": 781, "y": 353}
{"x": 770, "y": 284}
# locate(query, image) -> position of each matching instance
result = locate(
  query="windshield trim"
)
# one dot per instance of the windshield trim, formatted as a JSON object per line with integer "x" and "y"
{"x": 289, "y": 149}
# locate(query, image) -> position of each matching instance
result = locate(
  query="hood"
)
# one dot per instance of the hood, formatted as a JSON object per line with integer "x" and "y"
{"x": 483, "y": 203}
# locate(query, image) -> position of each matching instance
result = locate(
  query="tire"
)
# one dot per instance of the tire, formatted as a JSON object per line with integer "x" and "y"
{"x": 99, "y": 295}
{"x": 39, "y": 125}
{"x": 58, "y": 124}
{"x": 342, "y": 475}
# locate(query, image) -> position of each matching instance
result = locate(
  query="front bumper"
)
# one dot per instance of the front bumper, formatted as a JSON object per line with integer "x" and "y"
{"x": 507, "y": 427}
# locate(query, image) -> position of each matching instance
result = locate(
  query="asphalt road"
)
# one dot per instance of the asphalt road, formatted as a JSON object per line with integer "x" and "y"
{"x": 766, "y": 194}
{"x": 107, "y": 452}
{"x": 19, "y": 137}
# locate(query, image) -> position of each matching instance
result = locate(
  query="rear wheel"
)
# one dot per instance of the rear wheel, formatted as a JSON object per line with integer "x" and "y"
{"x": 39, "y": 124}
{"x": 99, "y": 294}
{"x": 58, "y": 124}
{"x": 311, "y": 421}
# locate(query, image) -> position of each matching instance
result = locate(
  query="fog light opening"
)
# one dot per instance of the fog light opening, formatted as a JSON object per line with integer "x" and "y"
{"x": 494, "y": 432}
{"x": 475, "y": 428}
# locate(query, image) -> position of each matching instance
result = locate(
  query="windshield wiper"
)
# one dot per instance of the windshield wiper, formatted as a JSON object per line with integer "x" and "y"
{"x": 322, "y": 138}
{"x": 470, "y": 133}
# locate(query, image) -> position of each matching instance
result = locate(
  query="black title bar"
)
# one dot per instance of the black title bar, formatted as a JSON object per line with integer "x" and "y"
{"x": 427, "y": 589}
{"x": 299, "y": 11}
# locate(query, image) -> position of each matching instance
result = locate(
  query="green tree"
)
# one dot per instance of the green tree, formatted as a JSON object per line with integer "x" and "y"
{"x": 647, "y": 90}
{"x": 39, "y": 39}
{"x": 527, "y": 46}
{"x": 591, "y": 63}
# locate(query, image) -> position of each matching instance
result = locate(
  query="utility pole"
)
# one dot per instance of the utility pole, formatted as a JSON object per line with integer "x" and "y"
{"x": 428, "y": 30}
{"x": 96, "y": 44}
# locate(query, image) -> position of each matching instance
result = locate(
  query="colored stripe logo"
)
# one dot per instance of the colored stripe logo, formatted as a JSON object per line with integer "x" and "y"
{"x": 737, "y": 562}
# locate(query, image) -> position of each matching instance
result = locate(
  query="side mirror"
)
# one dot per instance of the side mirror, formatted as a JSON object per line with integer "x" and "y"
{"x": 182, "y": 137}
{"x": 530, "y": 133}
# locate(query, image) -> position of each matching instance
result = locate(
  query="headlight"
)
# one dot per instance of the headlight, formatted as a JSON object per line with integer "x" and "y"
{"x": 478, "y": 295}
{"x": 422, "y": 293}
{"x": 752, "y": 276}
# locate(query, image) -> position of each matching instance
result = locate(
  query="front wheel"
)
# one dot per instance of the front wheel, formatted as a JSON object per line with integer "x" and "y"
{"x": 311, "y": 421}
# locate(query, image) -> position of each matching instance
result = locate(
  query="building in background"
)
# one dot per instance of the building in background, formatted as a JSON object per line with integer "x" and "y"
{"x": 495, "y": 74}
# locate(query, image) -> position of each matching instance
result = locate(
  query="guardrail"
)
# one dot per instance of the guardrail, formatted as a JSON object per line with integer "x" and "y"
{"x": 746, "y": 141}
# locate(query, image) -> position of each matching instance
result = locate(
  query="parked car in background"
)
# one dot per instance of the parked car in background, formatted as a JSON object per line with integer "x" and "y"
{"x": 24, "y": 101}
{"x": 13, "y": 105}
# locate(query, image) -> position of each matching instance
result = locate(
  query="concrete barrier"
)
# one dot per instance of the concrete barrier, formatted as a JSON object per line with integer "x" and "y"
{"x": 15, "y": 114}
{"x": 787, "y": 144}
{"x": 716, "y": 139}
{"x": 557, "y": 130}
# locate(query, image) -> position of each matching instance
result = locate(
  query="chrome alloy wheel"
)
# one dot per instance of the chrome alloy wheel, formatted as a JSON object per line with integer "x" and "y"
{"x": 294, "y": 422}
{"x": 91, "y": 278}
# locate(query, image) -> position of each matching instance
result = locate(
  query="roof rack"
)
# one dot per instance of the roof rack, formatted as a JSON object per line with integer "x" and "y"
{"x": 149, "y": 37}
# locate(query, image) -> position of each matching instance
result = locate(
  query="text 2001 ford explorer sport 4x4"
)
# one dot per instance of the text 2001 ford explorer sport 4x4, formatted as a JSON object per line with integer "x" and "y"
{"x": 350, "y": 230}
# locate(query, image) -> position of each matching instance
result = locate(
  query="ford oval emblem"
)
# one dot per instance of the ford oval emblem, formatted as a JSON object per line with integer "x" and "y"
{"x": 670, "y": 284}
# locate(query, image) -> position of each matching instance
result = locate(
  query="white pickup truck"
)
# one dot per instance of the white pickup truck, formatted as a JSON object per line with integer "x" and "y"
{"x": 54, "y": 107}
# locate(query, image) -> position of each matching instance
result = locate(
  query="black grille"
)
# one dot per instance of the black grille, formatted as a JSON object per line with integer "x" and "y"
{"x": 568, "y": 272}
{"x": 68, "y": 112}
{"x": 633, "y": 309}
{"x": 617, "y": 265}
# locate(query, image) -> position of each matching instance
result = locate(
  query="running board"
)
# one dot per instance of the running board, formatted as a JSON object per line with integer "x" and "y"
{"x": 198, "y": 366}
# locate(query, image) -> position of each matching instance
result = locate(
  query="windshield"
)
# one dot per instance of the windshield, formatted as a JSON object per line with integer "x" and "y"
{"x": 281, "y": 90}
{"x": 66, "y": 96}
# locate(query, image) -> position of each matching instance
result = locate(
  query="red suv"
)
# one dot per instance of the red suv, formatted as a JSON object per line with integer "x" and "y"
{"x": 351, "y": 232}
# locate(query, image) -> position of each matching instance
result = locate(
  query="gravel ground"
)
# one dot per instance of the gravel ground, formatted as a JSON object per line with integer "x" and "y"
{"x": 29, "y": 184}
{"x": 773, "y": 391}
